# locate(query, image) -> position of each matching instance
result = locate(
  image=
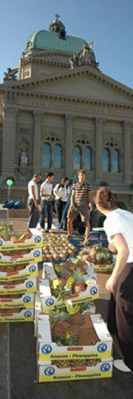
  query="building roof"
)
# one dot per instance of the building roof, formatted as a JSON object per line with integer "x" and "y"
{"x": 45, "y": 40}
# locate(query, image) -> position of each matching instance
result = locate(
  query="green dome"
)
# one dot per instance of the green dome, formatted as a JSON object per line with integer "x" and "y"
{"x": 45, "y": 40}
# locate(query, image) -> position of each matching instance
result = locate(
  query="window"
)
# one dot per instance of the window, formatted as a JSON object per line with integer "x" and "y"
{"x": 51, "y": 153}
{"x": 82, "y": 154}
{"x": 76, "y": 157}
{"x": 46, "y": 155}
{"x": 115, "y": 160}
{"x": 111, "y": 157}
{"x": 87, "y": 158}
{"x": 106, "y": 160}
{"x": 57, "y": 159}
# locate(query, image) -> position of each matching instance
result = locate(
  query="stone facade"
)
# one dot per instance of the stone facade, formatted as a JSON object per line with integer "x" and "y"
{"x": 54, "y": 117}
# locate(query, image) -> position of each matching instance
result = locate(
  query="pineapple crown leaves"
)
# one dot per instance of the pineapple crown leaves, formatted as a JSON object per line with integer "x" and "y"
{"x": 72, "y": 309}
{"x": 69, "y": 282}
{"x": 78, "y": 276}
{"x": 59, "y": 315}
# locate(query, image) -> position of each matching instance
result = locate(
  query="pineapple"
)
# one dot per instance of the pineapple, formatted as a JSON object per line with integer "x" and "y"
{"x": 73, "y": 331}
{"x": 79, "y": 284}
{"x": 77, "y": 319}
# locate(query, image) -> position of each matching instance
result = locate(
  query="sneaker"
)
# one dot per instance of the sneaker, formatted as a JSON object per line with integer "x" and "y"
{"x": 69, "y": 236}
{"x": 86, "y": 242}
{"x": 121, "y": 366}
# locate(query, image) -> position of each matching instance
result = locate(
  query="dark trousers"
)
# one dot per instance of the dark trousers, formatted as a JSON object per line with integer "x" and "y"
{"x": 33, "y": 214}
{"x": 59, "y": 207}
{"x": 46, "y": 212}
{"x": 120, "y": 317}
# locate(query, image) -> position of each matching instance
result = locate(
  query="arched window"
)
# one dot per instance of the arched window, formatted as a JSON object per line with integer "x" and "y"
{"x": 87, "y": 158}
{"x": 115, "y": 160}
{"x": 111, "y": 157}
{"x": 76, "y": 157}
{"x": 46, "y": 155}
{"x": 57, "y": 156}
{"x": 51, "y": 153}
{"x": 106, "y": 160}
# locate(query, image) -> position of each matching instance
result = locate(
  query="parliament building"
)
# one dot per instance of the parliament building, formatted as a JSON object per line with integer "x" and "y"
{"x": 59, "y": 113}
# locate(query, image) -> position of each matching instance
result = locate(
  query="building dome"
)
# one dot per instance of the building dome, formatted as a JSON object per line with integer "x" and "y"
{"x": 55, "y": 39}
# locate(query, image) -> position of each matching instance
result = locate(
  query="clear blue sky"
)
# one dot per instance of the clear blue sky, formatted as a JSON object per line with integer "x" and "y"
{"x": 109, "y": 23}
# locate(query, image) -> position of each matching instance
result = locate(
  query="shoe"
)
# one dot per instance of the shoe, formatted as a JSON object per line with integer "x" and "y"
{"x": 46, "y": 231}
{"x": 121, "y": 366}
{"x": 86, "y": 242}
{"x": 69, "y": 236}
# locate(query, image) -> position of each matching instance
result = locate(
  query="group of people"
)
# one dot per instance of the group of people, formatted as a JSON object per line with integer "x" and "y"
{"x": 69, "y": 201}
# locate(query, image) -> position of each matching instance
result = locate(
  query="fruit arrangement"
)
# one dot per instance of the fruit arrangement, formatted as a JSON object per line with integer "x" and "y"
{"x": 74, "y": 328}
{"x": 97, "y": 255}
{"x": 56, "y": 247}
{"x": 70, "y": 363}
{"x": 8, "y": 234}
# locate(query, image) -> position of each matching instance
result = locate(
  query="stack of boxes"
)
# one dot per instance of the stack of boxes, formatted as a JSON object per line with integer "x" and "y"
{"x": 18, "y": 277}
{"x": 59, "y": 362}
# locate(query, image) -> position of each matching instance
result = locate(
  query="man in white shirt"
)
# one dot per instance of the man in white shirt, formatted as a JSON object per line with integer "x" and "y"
{"x": 46, "y": 192}
{"x": 33, "y": 200}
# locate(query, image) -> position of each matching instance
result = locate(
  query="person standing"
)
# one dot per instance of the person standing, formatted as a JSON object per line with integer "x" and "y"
{"x": 118, "y": 226}
{"x": 33, "y": 201}
{"x": 79, "y": 204}
{"x": 46, "y": 192}
{"x": 61, "y": 192}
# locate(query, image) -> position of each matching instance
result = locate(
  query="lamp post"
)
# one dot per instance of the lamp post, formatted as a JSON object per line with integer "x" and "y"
{"x": 9, "y": 183}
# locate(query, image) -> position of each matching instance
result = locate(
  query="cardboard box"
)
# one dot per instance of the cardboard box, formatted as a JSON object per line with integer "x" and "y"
{"x": 11, "y": 273}
{"x": 103, "y": 268}
{"x": 24, "y": 301}
{"x": 28, "y": 285}
{"x": 49, "y": 301}
{"x": 49, "y": 350}
{"x": 51, "y": 373}
{"x": 16, "y": 315}
{"x": 48, "y": 271}
{"x": 36, "y": 241}
{"x": 34, "y": 255}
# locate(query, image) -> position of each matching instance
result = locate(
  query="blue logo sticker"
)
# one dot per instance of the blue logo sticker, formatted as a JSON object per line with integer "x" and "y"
{"x": 93, "y": 290}
{"x": 1, "y": 242}
{"x": 32, "y": 268}
{"x": 36, "y": 253}
{"x": 105, "y": 367}
{"x": 49, "y": 371}
{"x": 37, "y": 239}
{"x": 29, "y": 284}
{"x": 46, "y": 349}
{"x": 27, "y": 313}
{"x": 49, "y": 301}
{"x": 102, "y": 347}
{"x": 26, "y": 299}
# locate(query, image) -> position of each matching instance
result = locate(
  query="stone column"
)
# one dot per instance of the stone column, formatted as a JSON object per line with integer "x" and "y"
{"x": 68, "y": 145}
{"x": 127, "y": 153}
{"x": 99, "y": 149}
{"x": 9, "y": 142}
{"x": 37, "y": 142}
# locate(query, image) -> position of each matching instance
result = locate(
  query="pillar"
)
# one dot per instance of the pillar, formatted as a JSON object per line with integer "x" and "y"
{"x": 68, "y": 145}
{"x": 99, "y": 149}
{"x": 9, "y": 142}
{"x": 127, "y": 153}
{"x": 37, "y": 142}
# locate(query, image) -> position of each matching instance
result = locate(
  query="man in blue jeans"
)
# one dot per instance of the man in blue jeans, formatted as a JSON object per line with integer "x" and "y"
{"x": 46, "y": 192}
{"x": 33, "y": 200}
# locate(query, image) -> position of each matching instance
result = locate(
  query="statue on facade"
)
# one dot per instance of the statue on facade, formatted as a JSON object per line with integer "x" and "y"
{"x": 85, "y": 56}
{"x": 11, "y": 74}
{"x": 57, "y": 26}
{"x": 23, "y": 158}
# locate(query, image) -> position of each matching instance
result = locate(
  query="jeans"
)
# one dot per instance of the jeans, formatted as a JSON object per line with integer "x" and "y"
{"x": 33, "y": 214}
{"x": 47, "y": 209}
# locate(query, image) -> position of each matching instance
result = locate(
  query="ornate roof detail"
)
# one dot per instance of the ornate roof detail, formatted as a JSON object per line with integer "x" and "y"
{"x": 85, "y": 56}
{"x": 58, "y": 27}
